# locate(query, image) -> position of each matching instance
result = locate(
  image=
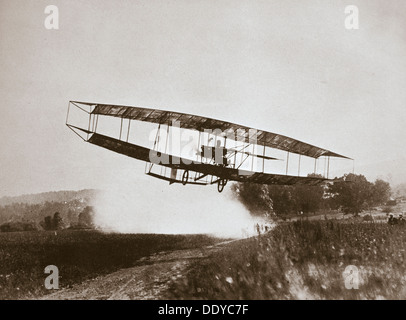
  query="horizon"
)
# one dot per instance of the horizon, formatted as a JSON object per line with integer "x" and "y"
{"x": 103, "y": 190}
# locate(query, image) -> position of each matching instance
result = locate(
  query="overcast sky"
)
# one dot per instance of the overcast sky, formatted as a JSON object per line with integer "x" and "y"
{"x": 289, "y": 67}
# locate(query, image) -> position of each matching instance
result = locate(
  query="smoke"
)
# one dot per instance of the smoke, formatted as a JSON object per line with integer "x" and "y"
{"x": 155, "y": 207}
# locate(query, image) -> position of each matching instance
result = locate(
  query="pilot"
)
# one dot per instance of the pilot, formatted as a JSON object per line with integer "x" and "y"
{"x": 223, "y": 161}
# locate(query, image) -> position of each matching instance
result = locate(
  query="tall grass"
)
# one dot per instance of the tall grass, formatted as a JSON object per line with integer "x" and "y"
{"x": 304, "y": 260}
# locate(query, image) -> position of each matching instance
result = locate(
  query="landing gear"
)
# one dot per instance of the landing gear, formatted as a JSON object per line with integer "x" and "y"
{"x": 221, "y": 184}
{"x": 185, "y": 177}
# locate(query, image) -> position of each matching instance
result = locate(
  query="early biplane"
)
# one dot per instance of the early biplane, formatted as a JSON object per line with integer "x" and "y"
{"x": 220, "y": 154}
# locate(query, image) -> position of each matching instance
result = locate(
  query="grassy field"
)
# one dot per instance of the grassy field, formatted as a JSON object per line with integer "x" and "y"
{"x": 304, "y": 260}
{"x": 296, "y": 260}
{"x": 79, "y": 255}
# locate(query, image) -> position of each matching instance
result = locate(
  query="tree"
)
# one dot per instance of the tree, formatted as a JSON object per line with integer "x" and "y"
{"x": 308, "y": 198}
{"x": 282, "y": 198}
{"x": 380, "y": 192}
{"x": 352, "y": 193}
{"x": 255, "y": 197}
{"x": 86, "y": 217}
{"x": 57, "y": 222}
{"x": 48, "y": 225}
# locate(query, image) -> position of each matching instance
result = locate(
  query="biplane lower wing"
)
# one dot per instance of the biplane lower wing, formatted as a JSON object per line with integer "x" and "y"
{"x": 222, "y": 172}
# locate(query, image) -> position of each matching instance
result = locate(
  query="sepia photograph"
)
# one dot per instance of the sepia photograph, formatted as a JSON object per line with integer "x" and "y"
{"x": 201, "y": 150}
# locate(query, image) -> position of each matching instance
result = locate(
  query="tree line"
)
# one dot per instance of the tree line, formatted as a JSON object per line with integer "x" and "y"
{"x": 350, "y": 193}
{"x": 56, "y": 221}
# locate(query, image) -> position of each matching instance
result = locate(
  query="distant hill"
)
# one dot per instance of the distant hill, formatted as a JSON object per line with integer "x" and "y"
{"x": 53, "y": 196}
{"x": 34, "y": 208}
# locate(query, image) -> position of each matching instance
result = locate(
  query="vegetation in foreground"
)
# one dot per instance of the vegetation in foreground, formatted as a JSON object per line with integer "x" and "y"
{"x": 304, "y": 260}
{"x": 79, "y": 255}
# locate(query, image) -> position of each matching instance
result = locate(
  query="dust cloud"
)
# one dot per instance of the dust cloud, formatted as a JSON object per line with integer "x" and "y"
{"x": 156, "y": 207}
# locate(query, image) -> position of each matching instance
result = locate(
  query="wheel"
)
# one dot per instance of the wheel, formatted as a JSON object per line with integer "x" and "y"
{"x": 185, "y": 177}
{"x": 221, "y": 184}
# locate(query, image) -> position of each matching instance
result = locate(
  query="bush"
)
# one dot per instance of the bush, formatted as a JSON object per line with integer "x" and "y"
{"x": 19, "y": 226}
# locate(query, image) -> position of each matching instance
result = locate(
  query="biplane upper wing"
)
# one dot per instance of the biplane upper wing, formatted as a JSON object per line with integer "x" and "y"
{"x": 189, "y": 121}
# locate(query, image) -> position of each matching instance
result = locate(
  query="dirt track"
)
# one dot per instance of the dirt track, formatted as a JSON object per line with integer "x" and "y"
{"x": 149, "y": 279}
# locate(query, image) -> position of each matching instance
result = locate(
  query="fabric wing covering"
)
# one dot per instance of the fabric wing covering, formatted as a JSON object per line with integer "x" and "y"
{"x": 189, "y": 121}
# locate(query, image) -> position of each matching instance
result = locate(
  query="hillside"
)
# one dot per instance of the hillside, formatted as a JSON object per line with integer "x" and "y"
{"x": 53, "y": 196}
{"x": 34, "y": 208}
